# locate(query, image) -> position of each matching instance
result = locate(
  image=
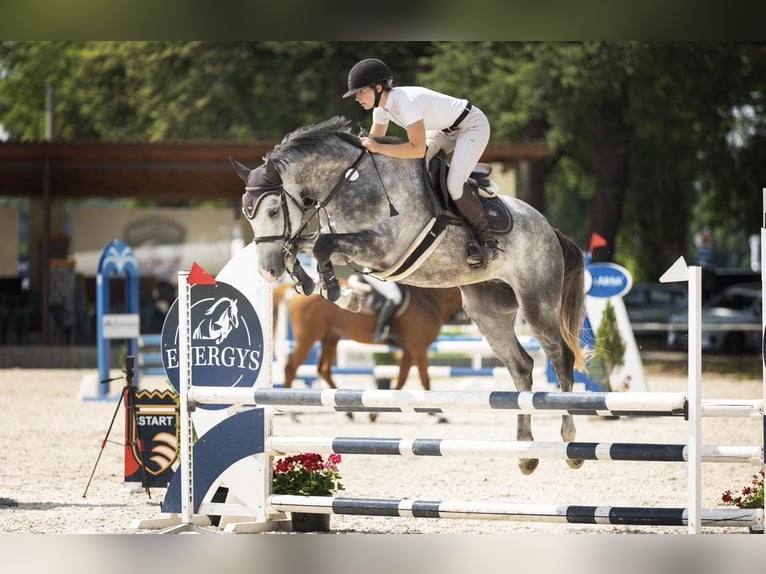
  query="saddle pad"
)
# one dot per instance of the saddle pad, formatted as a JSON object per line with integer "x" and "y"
{"x": 498, "y": 215}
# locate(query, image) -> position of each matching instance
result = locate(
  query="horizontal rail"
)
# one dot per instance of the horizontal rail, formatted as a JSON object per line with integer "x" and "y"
{"x": 347, "y": 400}
{"x": 618, "y": 515}
{"x": 392, "y": 371}
{"x": 719, "y": 327}
{"x": 280, "y": 445}
{"x": 457, "y": 345}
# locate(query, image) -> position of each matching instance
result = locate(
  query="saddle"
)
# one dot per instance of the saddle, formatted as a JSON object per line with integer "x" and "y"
{"x": 498, "y": 215}
{"x": 371, "y": 300}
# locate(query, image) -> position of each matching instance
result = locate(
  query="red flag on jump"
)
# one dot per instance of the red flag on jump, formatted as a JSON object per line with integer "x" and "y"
{"x": 198, "y": 276}
{"x": 596, "y": 241}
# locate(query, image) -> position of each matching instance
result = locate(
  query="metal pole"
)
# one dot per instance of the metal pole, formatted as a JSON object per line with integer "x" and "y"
{"x": 695, "y": 398}
{"x": 763, "y": 322}
{"x": 184, "y": 386}
{"x": 50, "y": 133}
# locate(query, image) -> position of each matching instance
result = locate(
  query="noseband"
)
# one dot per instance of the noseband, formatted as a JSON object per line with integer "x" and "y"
{"x": 250, "y": 205}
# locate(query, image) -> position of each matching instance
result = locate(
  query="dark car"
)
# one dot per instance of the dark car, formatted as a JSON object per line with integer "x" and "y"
{"x": 731, "y": 322}
{"x": 650, "y": 305}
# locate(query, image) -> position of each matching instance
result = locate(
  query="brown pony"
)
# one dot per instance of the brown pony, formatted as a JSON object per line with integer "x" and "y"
{"x": 413, "y": 328}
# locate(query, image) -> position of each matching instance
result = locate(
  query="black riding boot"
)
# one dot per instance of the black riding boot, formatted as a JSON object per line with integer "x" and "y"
{"x": 385, "y": 314}
{"x": 472, "y": 211}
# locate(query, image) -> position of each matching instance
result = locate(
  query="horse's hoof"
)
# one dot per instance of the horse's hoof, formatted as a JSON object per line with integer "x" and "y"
{"x": 442, "y": 420}
{"x": 331, "y": 286}
{"x": 305, "y": 287}
{"x": 333, "y": 292}
{"x": 303, "y": 283}
{"x": 528, "y": 465}
{"x": 575, "y": 463}
{"x": 373, "y": 417}
{"x": 350, "y": 416}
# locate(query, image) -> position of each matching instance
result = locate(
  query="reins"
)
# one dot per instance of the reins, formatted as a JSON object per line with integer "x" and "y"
{"x": 351, "y": 174}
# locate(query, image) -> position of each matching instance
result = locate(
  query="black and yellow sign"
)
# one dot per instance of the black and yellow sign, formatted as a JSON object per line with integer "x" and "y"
{"x": 151, "y": 437}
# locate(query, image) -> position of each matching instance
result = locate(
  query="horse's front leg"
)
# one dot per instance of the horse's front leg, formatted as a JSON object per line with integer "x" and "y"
{"x": 349, "y": 245}
{"x": 303, "y": 282}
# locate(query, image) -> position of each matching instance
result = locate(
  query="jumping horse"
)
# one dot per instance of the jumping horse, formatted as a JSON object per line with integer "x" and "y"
{"x": 328, "y": 196}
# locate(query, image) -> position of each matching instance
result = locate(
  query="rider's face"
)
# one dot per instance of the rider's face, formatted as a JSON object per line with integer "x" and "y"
{"x": 366, "y": 98}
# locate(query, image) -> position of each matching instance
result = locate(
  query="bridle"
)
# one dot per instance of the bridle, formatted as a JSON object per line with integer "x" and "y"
{"x": 308, "y": 212}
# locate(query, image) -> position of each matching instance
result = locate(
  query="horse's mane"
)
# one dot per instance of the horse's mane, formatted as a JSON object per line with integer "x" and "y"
{"x": 309, "y": 137}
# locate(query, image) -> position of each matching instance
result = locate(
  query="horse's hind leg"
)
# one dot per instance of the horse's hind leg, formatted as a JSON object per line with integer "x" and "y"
{"x": 493, "y": 308}
{"x": 545, "y": 324}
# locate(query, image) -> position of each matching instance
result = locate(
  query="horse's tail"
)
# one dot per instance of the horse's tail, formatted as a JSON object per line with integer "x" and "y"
{"x": 573, "y": 298}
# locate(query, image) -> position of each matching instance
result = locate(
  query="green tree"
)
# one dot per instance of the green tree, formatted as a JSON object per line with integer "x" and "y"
{"x": 609, "y": 349}
{"x": 649, "y": 141}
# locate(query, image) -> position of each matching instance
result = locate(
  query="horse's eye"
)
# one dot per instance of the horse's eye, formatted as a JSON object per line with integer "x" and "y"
{"x": 272, "y": 212}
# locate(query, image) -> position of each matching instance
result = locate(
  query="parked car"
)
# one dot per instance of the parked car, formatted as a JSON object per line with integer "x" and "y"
{"x": 731, "y": 322}
{"x": 650, "y": 305}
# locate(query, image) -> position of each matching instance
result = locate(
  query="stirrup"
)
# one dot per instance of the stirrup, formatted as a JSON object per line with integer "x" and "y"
{"x": 480, "y": 253}
{"x": 383, "y": 336}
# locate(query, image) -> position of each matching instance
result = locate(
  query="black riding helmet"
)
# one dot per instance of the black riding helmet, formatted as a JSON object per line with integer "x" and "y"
{"x": 366, "y": 73}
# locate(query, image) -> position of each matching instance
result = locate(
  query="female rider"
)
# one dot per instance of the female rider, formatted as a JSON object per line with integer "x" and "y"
{"x": 433, "y": 121}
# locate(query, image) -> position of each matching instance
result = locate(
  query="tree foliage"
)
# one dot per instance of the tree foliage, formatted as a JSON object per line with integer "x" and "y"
{"x": 649, "y": 141}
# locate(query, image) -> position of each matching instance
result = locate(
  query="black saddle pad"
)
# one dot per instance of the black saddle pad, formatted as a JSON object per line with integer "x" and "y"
{"x": 498, "y": 215}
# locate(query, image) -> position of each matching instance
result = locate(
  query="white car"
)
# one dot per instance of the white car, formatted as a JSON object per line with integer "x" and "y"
{"x": 731, "y": 322}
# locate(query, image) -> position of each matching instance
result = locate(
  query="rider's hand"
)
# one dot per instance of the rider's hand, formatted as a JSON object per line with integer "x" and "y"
{"x": 370, "y": 144}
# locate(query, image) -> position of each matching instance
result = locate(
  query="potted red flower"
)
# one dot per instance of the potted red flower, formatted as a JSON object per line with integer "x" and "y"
{"x": 307, "y": 474}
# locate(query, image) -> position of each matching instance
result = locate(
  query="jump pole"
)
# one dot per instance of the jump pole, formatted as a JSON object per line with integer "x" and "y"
{"x": 186, "y": 439}
{"x": 678, "y": 272}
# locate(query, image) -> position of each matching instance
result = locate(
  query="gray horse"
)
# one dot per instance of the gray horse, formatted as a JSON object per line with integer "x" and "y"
{"x": 319, "y": 191}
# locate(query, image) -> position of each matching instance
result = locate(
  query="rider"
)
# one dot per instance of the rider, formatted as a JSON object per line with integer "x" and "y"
{"x": 392, "y": 298}
{"x": 433, "y": 121}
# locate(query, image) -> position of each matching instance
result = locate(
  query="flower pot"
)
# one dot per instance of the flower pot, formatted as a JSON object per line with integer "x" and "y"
{"x": 308, "y": 522}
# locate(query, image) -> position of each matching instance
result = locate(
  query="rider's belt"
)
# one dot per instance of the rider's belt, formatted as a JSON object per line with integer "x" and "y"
{"x": 459, "y": 119}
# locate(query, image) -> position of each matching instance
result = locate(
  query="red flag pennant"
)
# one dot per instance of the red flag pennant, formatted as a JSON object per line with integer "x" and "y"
{"x": 596, "y": 241}
{"x": 198, "y": 276}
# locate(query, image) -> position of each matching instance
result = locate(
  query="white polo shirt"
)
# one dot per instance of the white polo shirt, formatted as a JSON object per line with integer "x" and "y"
{"x": 409, "y": 104}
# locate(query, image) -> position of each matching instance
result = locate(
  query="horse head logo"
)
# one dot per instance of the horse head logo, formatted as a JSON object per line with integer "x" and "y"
{"x": 221, "y": 318}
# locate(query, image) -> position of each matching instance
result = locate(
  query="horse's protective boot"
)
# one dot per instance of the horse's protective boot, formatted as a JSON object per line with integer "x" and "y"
{"x": 485, "y": 247}
{"x": 304, "y": 284}
{"x": 385, "y": 314}
{"x": 330, "y": 285}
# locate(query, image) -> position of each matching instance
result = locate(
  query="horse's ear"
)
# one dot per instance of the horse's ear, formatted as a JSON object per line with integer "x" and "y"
{"x": 242, "y": 171}
{"x": 272, "y": 175}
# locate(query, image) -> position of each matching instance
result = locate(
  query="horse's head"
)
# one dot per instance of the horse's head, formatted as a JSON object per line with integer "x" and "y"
{"x": 283, "y": 196}
{"x": 274, "y": 216}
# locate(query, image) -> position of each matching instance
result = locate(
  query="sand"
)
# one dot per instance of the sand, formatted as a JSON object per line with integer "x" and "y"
{"x": 50, "y": 440}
